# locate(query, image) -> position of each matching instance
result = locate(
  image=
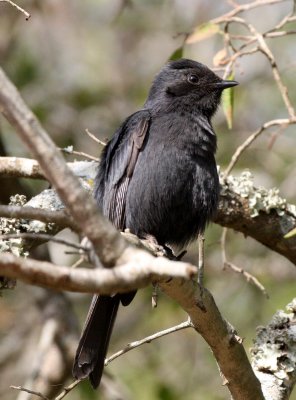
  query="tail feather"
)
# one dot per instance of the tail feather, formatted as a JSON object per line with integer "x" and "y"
{"x": 94, "y": 341}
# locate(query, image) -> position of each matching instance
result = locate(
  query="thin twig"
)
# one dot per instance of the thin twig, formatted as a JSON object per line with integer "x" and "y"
{"x": 249, "y": 277}
{"x": 148, "y": 339}
{"x": 244, "y": 7}
{"x": 287, "y": 18}
{"x": 21, "y": 388}
{"x": 92, "y": 136}
{"x": 251, "y": 138}
{"x": 277, "y": 77}
{"x": 135, "y": 273}
{"x": 19, "y": 167}
{"x": 78, "y": 262}
{"x": 78, "y": 153}
{"x": 263, "y": 47}
{"x": 230, "y": 62}
{"x": 61, "y": 218}
{"x": 270, "y": 35}
{"x": 67, "y": 389}
{"x": 43, "y": 236}
{"x": 275, "y": 135}
{"x": 226, "y": 264}
{"x": 27, "y": 15}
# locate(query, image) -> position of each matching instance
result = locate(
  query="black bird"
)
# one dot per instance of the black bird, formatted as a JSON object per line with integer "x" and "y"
{"x": 157, "y": 177}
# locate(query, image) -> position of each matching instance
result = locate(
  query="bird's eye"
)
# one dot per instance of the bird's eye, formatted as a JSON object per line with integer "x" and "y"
{"x": 192, "y": 79}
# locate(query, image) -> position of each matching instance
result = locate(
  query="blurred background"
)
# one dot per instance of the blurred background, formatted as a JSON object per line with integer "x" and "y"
{"x": 88, "y": 65}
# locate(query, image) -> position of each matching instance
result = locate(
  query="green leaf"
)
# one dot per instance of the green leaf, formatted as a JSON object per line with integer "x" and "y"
{"x": 290, "y": 234}
{"x": 227, "y": 103}
{"x": 202, "y": 32}
{"x": 177, "y": 54}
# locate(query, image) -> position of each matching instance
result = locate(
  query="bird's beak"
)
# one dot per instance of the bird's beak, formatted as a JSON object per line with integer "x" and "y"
{"x": 225, "y": 84}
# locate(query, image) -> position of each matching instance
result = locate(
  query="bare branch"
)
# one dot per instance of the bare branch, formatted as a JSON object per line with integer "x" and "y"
{"x": 226, "y": 264}
{"x": 67, "y": 389}
{"x": 141, "y": 269}
{"x": 43, "y": 237}
{"x": 262, "y": 47}
{"x": 274, "y": 354}
{"x": 220, "y": 335}
{"x": 244, "y": 7}
{"x": 17, "y": 167}
{"x": 27, "y": 15}
{"x": 247, "y": 143}
{"x": 148, "y": 339}
{"x": 265, "y": 49}
{"x": 22, "y": 389}
{"x": 60, "y": 218}
{"x": 68, "y": 150}
{"x": 92, "y": 136}
{"x": 244, "y": 49}
{"x": 259, "y": 213}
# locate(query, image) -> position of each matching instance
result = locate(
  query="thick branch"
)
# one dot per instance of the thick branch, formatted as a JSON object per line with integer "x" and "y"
{"x": 274, "y": 354}
{"x": 141, "y": 269}
{"x": 226, "y": 346}
{"x": 18, "y": 167}
{"x": 258, "y": 213}
{"x": 60, "y": 218}
{"x": 107, "y": 242}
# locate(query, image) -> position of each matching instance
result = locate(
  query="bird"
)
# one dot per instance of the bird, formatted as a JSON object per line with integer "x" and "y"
{"x": 158, "y": 178}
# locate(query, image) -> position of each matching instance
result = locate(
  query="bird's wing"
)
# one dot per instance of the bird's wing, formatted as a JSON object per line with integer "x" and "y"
{"x": 117, "y": 166}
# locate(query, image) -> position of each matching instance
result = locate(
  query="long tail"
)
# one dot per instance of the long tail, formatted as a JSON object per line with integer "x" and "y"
{"x": 94, "y": 341}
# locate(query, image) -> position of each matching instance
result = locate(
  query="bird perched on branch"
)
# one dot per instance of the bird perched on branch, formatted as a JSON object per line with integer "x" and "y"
{"x": 157, "y": 177}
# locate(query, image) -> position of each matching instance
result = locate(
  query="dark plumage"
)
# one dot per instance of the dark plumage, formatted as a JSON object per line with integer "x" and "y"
{"x": 158, "y": 177}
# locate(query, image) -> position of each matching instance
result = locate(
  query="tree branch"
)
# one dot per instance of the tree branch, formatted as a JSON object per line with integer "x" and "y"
{"x": 108, "y": 243}
{"x": 227, "y": 264}
{"x": 274, "y": 354}
{"x": 27, "y": 15}
{"x": 148, "y": 339}
{"x": 259, "y": 213}
{"x": 23, "y": 389}
{"x": 19, "y": 167}
{"x": 140, "y": 270}
{"x": 60, "y": 218}
{"x": 244, "y": 7}
{"x": 226, "y": 346}
{"x": 247, "y": 143}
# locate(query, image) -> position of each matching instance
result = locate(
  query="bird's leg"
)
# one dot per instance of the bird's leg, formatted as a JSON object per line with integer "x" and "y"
{"x": 160, "y": 249}
{"x": 154, "y": 298}
{"x": 201, "y": 258}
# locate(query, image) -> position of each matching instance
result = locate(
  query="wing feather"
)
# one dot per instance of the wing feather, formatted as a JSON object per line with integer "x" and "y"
{"x": 117, "y": 166}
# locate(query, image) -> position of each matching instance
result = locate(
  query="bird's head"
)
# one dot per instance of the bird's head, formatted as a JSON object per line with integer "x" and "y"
{"x": 189, "y": 82}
